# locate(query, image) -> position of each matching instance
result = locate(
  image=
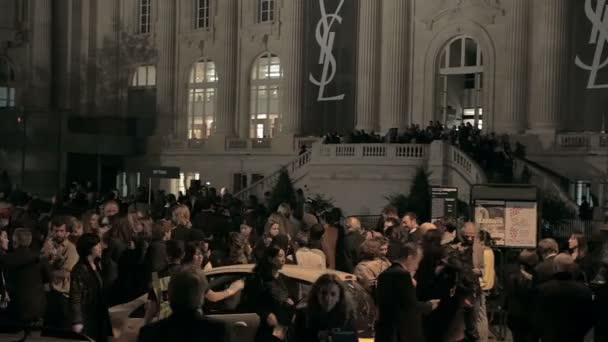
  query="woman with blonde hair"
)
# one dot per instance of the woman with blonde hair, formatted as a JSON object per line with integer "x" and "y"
{"x": 272, "y": 229}
{"x": 180, "y": 217}
{"x": 329, "y": 312}
{"x": 275, "y": 219}
{"x": 90, "y": 222}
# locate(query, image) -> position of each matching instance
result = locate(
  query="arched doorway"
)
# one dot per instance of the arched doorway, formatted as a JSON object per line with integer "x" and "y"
{"x": 460, "y": 83}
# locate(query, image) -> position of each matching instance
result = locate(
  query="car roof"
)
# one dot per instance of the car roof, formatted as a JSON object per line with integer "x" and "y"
{"x": 292, "y": 271}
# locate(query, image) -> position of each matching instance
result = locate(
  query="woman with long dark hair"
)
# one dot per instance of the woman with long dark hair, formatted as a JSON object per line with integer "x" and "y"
{"x": 329, "y": 312}
{"x": 579, "y": 251}
{"x": 269, "y": 296}
{"x": 88, "y": 307}
{"x": 271, "y": 230}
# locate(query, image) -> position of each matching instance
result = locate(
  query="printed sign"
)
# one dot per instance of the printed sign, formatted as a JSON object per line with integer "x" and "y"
{"x": 443, "y": 203}
{"x": 521, "y": 224}
{"x": 163, "y": 172}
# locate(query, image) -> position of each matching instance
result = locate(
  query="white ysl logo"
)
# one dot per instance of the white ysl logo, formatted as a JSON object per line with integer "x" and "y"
{"x": 325, "y": 39}
{"x": 599, "y": 36}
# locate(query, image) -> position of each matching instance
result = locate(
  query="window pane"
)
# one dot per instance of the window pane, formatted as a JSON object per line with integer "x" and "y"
{"x": 199, "y": 72}
{"x": 211, "y": 77}
{"x": 469, "y": 81}
{"x": 262, "y": 100}
{"x": 259, "y": 130}
{"x": 456, "y": 53}
{"x": 470, "y": 52}
{"x": 274, "y": 100}
{"x": 151, "y": 75}
{"x": 263, "y": 68}
{"x": 3, "y": 93}
{"x": 141, "y": 76}
{"x": 209, "y": 104}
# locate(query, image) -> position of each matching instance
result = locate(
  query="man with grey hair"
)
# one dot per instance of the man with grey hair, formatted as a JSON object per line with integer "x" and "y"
{"x": 547, "y": 249}
{"x": 186, "y": 297}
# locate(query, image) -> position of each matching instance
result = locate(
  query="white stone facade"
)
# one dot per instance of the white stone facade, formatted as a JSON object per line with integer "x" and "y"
{"x": 528, "y": 84}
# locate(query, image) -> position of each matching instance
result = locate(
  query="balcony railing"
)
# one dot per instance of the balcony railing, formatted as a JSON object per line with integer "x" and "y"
{"x": 583, "y": 141}
{"x": 374, "y": 151}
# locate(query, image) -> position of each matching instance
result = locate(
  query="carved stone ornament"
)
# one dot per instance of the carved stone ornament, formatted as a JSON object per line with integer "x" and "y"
{"x": 484, "y": 11}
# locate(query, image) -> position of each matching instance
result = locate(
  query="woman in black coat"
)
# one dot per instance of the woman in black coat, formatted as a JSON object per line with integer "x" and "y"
{"x": 25, "y": 274}
{"x": 88, "y": 307}
{"x": 269, "y": 296}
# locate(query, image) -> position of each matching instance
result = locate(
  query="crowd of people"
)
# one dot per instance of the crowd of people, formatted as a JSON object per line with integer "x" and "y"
{"x": 64, "y": 264}
{"x": 492, "y": 152}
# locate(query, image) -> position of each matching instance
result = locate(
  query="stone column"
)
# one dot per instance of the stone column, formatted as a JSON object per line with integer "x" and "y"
{"x": 367, "y": 65}
{"x": 394, "y": 89}
{"x": 227, "y": 66}
{"x": 40, "y": 76}
{"x": 515, "y": 95}
{"x": 165, "y": 70}
{"x": 548, "y": 64}
{"x": 291, "y": 91}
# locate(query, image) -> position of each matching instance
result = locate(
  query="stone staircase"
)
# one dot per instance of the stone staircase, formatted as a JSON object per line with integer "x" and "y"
{"x": 296, "y": 169}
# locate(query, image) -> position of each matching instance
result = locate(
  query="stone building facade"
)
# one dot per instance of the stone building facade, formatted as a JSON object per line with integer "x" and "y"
{"x": 224, "y": 88}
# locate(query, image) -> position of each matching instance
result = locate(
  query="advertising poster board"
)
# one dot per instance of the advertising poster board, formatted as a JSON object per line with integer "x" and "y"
{"x": 490, "y": 216}
{"x": 509, "y": 212}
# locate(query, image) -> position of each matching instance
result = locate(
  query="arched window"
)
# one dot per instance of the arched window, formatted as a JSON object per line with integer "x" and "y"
{"x": 144, "y": 76}
{"x": 7, "y": 84}
{"x": 201, "y": 99}
{"x": 460, "y": 86}
{"x": 266, "y": 78}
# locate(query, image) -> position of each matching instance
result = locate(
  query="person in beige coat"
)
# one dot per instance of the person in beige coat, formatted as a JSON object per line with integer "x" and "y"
{"x": 373, "y": 262}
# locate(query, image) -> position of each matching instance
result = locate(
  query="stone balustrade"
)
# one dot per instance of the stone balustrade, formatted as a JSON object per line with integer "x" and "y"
{"x": 232, "y": 145}
{"x": 583, "y": 141}
{"x": 373, "y": 152}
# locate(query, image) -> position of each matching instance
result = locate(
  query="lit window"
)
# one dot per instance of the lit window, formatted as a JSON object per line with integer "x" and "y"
{"x": 145, "y": 9}
{"x": 144, "y": 76}
{"x": 7, "y": 84}
{"x": 265, "y": 11}
{"x": 202, "y": 14}
{"x": 468, "y": 116}
{"x": 201, "y": 99}
{"x": 265, "y": 84}
{"x": 182, "y": 183}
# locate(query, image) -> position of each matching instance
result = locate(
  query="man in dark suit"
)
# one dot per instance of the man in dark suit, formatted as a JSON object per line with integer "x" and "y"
{"x": 565, "y": 306}
{"x": 186, "y": 323}
{"x": 548, "y": 249}
{"x": 400, "y": 312}
{"x": 410, "y": 222}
